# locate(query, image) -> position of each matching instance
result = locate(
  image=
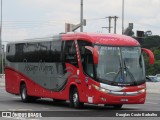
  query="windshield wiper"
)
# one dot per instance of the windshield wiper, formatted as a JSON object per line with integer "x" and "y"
{"x": 130, "y": 74}
{"x": 119, "y": 72}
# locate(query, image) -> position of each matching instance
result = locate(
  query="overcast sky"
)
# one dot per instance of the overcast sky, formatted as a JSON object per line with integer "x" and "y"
{"x": 39, "y": 18}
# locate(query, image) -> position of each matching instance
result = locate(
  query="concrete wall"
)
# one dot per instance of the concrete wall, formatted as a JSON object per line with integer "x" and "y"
{"x": 153, "y": 87}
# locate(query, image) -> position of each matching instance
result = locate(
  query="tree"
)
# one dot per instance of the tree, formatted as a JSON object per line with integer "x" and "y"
{"x": 152, "y": 43}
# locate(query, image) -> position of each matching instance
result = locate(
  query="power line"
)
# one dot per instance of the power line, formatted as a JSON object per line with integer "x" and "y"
{"x": 93, "y": 19}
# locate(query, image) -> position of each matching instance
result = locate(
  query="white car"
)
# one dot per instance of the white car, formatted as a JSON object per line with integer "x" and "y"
{"x": 152, "y": 79}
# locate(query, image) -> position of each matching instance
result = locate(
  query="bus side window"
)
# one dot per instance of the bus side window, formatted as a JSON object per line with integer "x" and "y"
{"x": 86, "y": 57}
{"x": 70, "y": 53}
{"x": 10, "y": 55}
{"x": 88, "y": 62}
{"x": 55, "y": 53}
{"x": 19, "y": 52}
{"x": 8, "y": 48}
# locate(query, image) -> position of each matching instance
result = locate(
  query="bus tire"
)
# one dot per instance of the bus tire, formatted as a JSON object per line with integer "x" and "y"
{"x": 23, "y": 92}
{"x": 74, "y": 99}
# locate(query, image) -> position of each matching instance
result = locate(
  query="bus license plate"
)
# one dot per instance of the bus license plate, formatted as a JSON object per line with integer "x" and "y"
{"x": 124, "y": 100}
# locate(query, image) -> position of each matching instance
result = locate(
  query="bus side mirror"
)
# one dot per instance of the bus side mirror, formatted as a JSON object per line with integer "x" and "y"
{"x": 150, "y": 54}
{"x": 94, "y": 52}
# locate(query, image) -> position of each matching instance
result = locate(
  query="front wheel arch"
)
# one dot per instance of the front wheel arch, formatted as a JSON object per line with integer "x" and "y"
{"x": 74, "y": 97}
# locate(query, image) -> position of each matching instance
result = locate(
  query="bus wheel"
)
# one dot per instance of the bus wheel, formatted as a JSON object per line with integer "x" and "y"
{"x": 74, "y": 99}
{"x": 117, "y": 106}
{"x": 23, "y": 91}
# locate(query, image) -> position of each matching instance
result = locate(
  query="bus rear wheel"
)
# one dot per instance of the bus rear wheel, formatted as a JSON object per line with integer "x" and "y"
{"x": 23, "y": 92}
{"x": 74, "y": 99}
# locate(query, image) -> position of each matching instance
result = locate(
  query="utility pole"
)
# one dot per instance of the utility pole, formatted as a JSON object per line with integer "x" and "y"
{"x": 115, "y": 23}
{"x": 81, "y": 18}
{"x": 109, "y": 28}
{"x": 109, "y": 23}
{"x": 72, "y": 27}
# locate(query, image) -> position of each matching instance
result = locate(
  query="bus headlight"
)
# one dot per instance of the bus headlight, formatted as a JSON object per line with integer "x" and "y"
{"x": 142, "y": 91}
{"x": 100, "y": 89}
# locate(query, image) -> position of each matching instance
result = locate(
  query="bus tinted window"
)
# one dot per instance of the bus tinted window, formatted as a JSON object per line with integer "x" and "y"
{"x": 19, "y": 55}
{"x": 49, "y": 51}
{"x": 11, "y": 52}
{"x": 56, "y": 51}
{"x": 31, "y": 55}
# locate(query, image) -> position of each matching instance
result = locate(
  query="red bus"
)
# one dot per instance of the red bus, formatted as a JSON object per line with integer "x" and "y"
{"x": 80, "y": 67}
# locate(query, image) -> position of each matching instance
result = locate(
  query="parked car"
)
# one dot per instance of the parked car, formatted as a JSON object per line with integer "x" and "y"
{"x": 158, "y": 77}
{"x": 152, "y": 79}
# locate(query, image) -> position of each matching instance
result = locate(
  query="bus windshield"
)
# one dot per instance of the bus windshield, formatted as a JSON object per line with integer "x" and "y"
{"x": 120, "y": 65}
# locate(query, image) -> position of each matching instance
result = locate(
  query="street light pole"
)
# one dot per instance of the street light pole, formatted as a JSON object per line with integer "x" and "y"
{"x": 1, "y": 39}
{"x": 122, "y": 16}
{"x": 81, "y": 18}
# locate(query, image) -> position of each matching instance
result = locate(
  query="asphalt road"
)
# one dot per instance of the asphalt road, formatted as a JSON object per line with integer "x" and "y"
{"x": 9, "y": 102}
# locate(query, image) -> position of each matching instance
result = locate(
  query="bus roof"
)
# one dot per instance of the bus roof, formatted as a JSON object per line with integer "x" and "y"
{"x": 95, "y": 38}
{"x": 106, "y": 39}
{"x": 42, "y": 39}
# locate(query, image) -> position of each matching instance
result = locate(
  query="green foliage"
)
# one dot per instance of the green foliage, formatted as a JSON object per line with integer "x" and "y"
{"x": 152, "y": 43}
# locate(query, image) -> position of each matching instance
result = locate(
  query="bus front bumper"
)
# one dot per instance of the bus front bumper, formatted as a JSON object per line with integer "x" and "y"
{"x": 103, "y": 98}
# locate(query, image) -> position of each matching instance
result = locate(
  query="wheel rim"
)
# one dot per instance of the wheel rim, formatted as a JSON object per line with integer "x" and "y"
{"x": 75, "y": 98}
{"x": 24, "y": 93}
